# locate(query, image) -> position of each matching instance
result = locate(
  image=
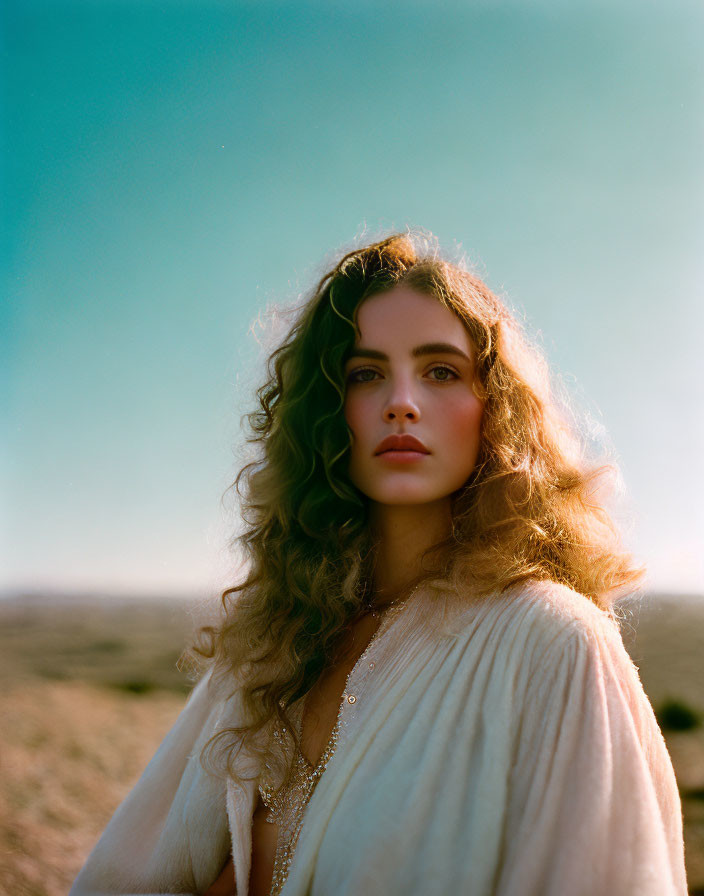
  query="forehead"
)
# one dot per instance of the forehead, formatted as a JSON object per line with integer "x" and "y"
{"x": 403, "y": 317}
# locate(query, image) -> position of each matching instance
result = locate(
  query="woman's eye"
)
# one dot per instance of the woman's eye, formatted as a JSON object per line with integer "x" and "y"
{"x": 442, "y": 374}
{"x": 362, "y": 375}
{"x": 445, "y": 373}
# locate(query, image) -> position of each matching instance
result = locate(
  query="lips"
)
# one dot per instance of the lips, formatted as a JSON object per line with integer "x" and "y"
{"x": 401, "y": 442}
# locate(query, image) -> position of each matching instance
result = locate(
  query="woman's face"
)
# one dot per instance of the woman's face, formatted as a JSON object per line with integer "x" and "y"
{"x": 411, "y": 374}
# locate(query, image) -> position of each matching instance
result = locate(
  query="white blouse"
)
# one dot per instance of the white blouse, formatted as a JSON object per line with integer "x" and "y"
{"x": 500, "y": 748}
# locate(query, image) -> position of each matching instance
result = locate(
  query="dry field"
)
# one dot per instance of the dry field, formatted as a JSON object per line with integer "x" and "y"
{"x": 89, "y": 688}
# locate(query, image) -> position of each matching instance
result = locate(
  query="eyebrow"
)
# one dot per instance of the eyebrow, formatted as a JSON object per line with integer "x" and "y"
{"x": 428, "y": 348}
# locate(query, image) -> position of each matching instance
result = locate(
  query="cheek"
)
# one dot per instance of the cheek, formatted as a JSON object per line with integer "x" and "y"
{"x": 461, "y": 421}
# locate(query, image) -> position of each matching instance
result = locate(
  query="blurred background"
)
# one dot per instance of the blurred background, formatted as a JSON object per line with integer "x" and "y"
{"x": 171, "y": 172}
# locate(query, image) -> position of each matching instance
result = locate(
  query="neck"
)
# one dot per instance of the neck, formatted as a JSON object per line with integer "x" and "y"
{"x": 403, "y": 533}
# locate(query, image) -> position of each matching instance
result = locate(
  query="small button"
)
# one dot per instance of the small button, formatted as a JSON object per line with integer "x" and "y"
{"x": 371, "y": 665}
{"x": 351, "y": 698}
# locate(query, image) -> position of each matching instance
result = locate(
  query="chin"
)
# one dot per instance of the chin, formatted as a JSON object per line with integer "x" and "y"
{"x": 406, "y": 497}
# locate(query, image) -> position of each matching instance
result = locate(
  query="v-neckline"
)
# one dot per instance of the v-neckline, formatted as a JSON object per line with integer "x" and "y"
{"x": 387, "y": 619}
{"x": 288, "y": 808}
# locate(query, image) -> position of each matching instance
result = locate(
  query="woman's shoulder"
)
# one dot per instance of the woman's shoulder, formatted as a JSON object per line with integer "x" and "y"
{"x": 554, "y": 633}
{"x": 544, "y": 638}
{"x": 543, "y": 603}
{"x": 557, "y": 608}
{"x": 534, "y": 617}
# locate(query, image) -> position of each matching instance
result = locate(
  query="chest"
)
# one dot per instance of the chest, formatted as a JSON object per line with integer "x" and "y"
{"x": 321, "y": 707}
{"x": 322, "y": 703}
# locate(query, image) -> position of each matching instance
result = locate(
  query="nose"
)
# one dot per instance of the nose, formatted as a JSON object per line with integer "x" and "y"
{"x": 401, "y": 404}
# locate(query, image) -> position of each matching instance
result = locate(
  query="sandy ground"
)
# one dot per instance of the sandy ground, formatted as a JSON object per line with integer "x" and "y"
{"x": 88, "y": 691}
{"x": 70, "y": 752}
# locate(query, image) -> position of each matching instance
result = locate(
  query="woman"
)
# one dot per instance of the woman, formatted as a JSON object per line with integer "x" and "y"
{"x": 419, "y": 687}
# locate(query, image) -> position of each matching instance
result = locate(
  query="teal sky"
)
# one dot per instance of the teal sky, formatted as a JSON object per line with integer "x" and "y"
{"x": 171, "y": 169}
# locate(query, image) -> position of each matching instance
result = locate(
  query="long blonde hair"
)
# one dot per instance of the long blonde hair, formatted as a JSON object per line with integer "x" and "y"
{"x": 530, "y": 509}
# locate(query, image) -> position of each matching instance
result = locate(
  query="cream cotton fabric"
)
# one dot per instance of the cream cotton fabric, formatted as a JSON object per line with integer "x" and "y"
{"x": 498, "y": 748}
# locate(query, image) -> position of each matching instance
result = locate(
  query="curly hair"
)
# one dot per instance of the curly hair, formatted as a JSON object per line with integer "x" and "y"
{"x": 530, "y": 509}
